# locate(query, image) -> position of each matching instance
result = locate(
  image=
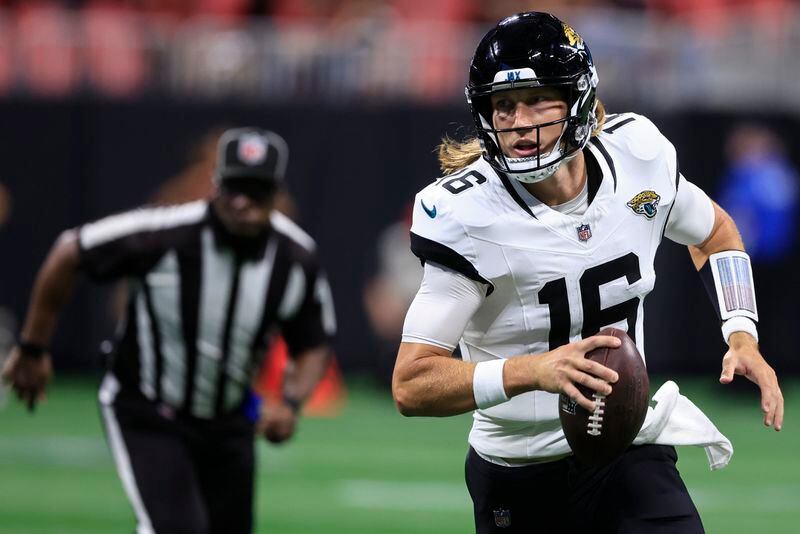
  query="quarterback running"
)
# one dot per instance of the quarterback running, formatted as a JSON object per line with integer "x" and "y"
{"x": 542, "y": 231}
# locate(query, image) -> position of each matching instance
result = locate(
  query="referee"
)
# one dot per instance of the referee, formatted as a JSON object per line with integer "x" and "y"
{"x": 209, "y": 281}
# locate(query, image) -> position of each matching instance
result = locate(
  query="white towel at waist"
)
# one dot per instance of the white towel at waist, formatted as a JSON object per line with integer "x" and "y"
{"x": 675, "y": 420}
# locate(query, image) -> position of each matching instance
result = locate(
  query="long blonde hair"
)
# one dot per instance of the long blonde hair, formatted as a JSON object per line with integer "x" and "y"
{"x": 455, "y": 155}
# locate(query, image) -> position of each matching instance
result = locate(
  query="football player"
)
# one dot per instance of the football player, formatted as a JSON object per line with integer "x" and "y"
{"x": 542, "y": 231}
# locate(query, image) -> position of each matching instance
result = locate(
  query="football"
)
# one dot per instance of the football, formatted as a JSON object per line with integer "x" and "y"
{"x": 598, "y": 437}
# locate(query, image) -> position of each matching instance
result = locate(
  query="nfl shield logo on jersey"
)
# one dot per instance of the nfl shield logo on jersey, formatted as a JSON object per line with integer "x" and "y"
{"x": 568, "y": 405}
{"x": 502, "y": 518}
{"x": 584, "y": 232}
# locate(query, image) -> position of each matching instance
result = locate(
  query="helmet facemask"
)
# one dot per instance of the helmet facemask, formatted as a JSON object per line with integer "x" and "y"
{"x": 577, "y": 126}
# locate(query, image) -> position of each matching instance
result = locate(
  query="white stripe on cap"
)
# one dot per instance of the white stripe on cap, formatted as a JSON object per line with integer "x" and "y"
{"x": 283, "y": 153}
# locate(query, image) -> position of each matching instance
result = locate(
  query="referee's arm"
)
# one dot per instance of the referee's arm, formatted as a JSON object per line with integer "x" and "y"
{"x": 302, "y": 374}
{"x": 308, "y": 334}
{"x": 29, "y": 367}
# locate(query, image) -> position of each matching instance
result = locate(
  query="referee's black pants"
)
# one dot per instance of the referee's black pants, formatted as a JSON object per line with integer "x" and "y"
{"x": 181, "y": 475}
{"x": 640, "y": 492}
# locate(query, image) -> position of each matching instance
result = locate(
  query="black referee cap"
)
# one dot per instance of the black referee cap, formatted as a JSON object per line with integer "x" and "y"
{"x": 251, "y": 153}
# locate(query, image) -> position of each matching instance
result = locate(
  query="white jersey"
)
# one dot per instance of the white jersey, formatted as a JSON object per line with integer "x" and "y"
{"x": 552, "y": 277}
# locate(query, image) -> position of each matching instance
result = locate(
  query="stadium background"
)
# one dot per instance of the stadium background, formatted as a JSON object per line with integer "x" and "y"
{"x": 102, "y": 102}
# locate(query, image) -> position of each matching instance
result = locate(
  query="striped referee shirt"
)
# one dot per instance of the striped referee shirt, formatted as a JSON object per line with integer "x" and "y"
{"x": 202, "y": 306}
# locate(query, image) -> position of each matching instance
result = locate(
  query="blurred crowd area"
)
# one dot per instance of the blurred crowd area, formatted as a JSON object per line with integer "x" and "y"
{"x": 703, "y": 13}
{"x": 713, "y": 53}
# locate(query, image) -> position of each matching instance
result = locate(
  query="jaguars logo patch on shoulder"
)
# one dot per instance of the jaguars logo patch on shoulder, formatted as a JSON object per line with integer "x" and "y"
{"x": 645, "y": 203}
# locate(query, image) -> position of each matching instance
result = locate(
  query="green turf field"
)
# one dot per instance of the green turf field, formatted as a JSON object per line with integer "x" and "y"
{"x": 369, "y": 470}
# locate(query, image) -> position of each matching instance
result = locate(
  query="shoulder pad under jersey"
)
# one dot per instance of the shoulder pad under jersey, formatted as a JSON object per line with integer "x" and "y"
{"x": 439, "y": 233}
{"x": 633, "y": 140}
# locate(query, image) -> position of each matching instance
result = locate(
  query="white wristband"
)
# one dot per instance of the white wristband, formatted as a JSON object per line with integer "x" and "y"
{"x": 738, "y": 324}
{"x": 487, "y": 384}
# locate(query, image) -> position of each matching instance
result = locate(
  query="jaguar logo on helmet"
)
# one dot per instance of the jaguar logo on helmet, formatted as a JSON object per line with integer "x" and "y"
{"x": 573, "y": 37}
{"x": 645, "y": 203}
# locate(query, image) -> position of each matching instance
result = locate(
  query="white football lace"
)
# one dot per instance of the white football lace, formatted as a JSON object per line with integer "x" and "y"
{"x": 595, "y": 426}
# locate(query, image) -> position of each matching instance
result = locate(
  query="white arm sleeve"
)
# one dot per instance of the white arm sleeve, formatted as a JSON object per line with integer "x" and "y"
{"x": 692, "y": 216}
{"x": 444, "y": 304}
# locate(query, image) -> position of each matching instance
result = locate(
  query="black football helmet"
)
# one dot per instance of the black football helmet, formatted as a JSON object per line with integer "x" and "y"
{"x": 533, "y": 50}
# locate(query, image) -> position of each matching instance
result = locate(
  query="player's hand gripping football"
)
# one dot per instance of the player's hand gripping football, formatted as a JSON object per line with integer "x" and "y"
{"x": 28, "y": 376}
{"x": 278, "y": 421}
{"x": 743, "y": 358}
{"x": 559, "y": 370}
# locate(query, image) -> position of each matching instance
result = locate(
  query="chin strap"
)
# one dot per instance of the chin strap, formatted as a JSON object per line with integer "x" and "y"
{"x": 543, "y": 173}
{"x": 539, "y": 175}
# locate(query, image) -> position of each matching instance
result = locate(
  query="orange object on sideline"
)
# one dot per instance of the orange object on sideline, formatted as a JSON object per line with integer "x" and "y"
{"x": 329, "y": 396}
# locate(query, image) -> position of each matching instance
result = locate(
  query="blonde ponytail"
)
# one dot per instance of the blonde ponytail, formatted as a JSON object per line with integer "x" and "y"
{"x": 455, "y": 155}
{"x": 600, "y": 112}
